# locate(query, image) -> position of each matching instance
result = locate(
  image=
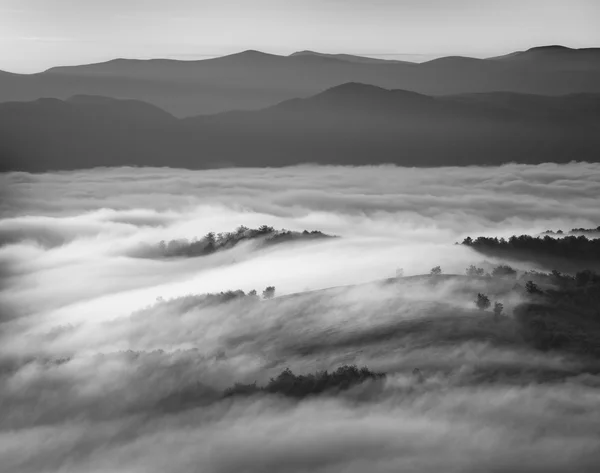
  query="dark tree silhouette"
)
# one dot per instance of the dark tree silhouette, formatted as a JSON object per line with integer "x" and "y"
{"x": 436, "y": 271}
{"x": 532, "y": 288}
{"x": 263, "y": 229}
{"x": 504, "y": 271}
{"x": 473, "y": 271}
{"x": 300, "y": 386}
{"x": 482, "y": 302}
{"x": 269, "y": 292}
{"x": 212, "y": 242}
{"x": 498, "y": 308}
{"x": 577, "y": 247}
{"x": 209, "y": 242}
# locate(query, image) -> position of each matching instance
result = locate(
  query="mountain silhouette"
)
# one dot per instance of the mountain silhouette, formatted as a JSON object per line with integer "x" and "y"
{"x": 84, "y": 132}
{"x": 253, "y": 80}
{"x": 352, "y": 58}
{"x": 351, "y": 123}
{"x": 556, "y": 58}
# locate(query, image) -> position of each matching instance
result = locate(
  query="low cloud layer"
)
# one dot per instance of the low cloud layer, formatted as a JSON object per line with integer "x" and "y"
{"x": 74, "y": 299}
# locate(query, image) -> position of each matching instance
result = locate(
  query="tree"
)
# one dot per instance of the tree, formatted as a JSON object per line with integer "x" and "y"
{"x": 435, "y": 271}
{"x": 269, "y": 292}
{"x": 503, "y": 271}
{"x": 263, "y": 229}
{"x": 209, "y": 240}
{"x": 252, "y": 293}
{"x": 532, "y": 288}
{"x": 482, "y": 302}
{"x": 473, "y": 271}
{"x": 498, "y": 308}
{"x": 399, "y": 272}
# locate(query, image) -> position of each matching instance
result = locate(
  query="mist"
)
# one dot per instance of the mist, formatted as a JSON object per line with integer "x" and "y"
{"x": 94, "y": 338}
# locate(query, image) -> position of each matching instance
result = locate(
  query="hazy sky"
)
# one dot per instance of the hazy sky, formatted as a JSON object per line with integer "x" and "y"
{"x": 37, "y": 34}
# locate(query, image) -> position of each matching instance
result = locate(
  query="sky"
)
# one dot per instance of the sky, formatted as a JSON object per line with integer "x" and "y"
{"x": 38, "y": 34}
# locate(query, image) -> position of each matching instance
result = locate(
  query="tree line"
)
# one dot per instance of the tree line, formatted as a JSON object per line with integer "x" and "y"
{"x": 578, "y": 247}
{"x": 301, "y": 386}
{"x": 213, "y": 242}
{"x": 573, "y": 230}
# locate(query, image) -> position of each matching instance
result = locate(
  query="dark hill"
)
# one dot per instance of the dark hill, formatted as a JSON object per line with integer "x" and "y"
{"x": 348, "y": 124}
{"x": 85, "y": 132}
{"x": 352, "y": 58}
{"x": 555, "y": 57}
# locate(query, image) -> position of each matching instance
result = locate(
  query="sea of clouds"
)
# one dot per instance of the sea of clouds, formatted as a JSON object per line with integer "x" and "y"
{"x": 93, "y": 337}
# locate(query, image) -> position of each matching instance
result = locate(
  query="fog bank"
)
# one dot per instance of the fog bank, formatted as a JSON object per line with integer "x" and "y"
{"x": 93, "y": 338}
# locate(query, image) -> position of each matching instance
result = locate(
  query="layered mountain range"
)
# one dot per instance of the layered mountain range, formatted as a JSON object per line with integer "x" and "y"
{"x": 533, "y": 106}
{"x": 253, "y": 80}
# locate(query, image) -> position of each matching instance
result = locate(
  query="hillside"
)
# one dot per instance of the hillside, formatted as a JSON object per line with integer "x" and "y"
{"x": 349, "y": 124}
{"x": 555, "y": 58}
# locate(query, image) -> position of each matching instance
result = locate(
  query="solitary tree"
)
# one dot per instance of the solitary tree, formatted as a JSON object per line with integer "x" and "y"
{"x": 473, "y": 271}
{"x": 498, "y": 308}
{"x": 482, "y": 302}
{"x": 269, "y": 292}
{"x": 436, "y": 271}
{"x": 399, "y": 272}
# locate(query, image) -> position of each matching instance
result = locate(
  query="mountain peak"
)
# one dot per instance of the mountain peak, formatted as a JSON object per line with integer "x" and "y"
{"x": 352, "y": 88}
{"x": 549, "y": 48}
{"x": 252, "y": 54}
{"x": 90, "y": 99}
{"x": 356, "y": 92}
{"x": 305, "y": 52}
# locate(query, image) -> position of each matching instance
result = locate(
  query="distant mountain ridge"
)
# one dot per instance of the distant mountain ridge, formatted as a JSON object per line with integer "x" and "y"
{"x": 352, "y": 58}
{"x": 556, "y": 57}
{"x": 351, "y": 123}
{"x": 252, "y": 80}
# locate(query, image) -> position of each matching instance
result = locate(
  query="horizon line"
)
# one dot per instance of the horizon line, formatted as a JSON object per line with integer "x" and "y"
{"x": 209, "y": 56}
